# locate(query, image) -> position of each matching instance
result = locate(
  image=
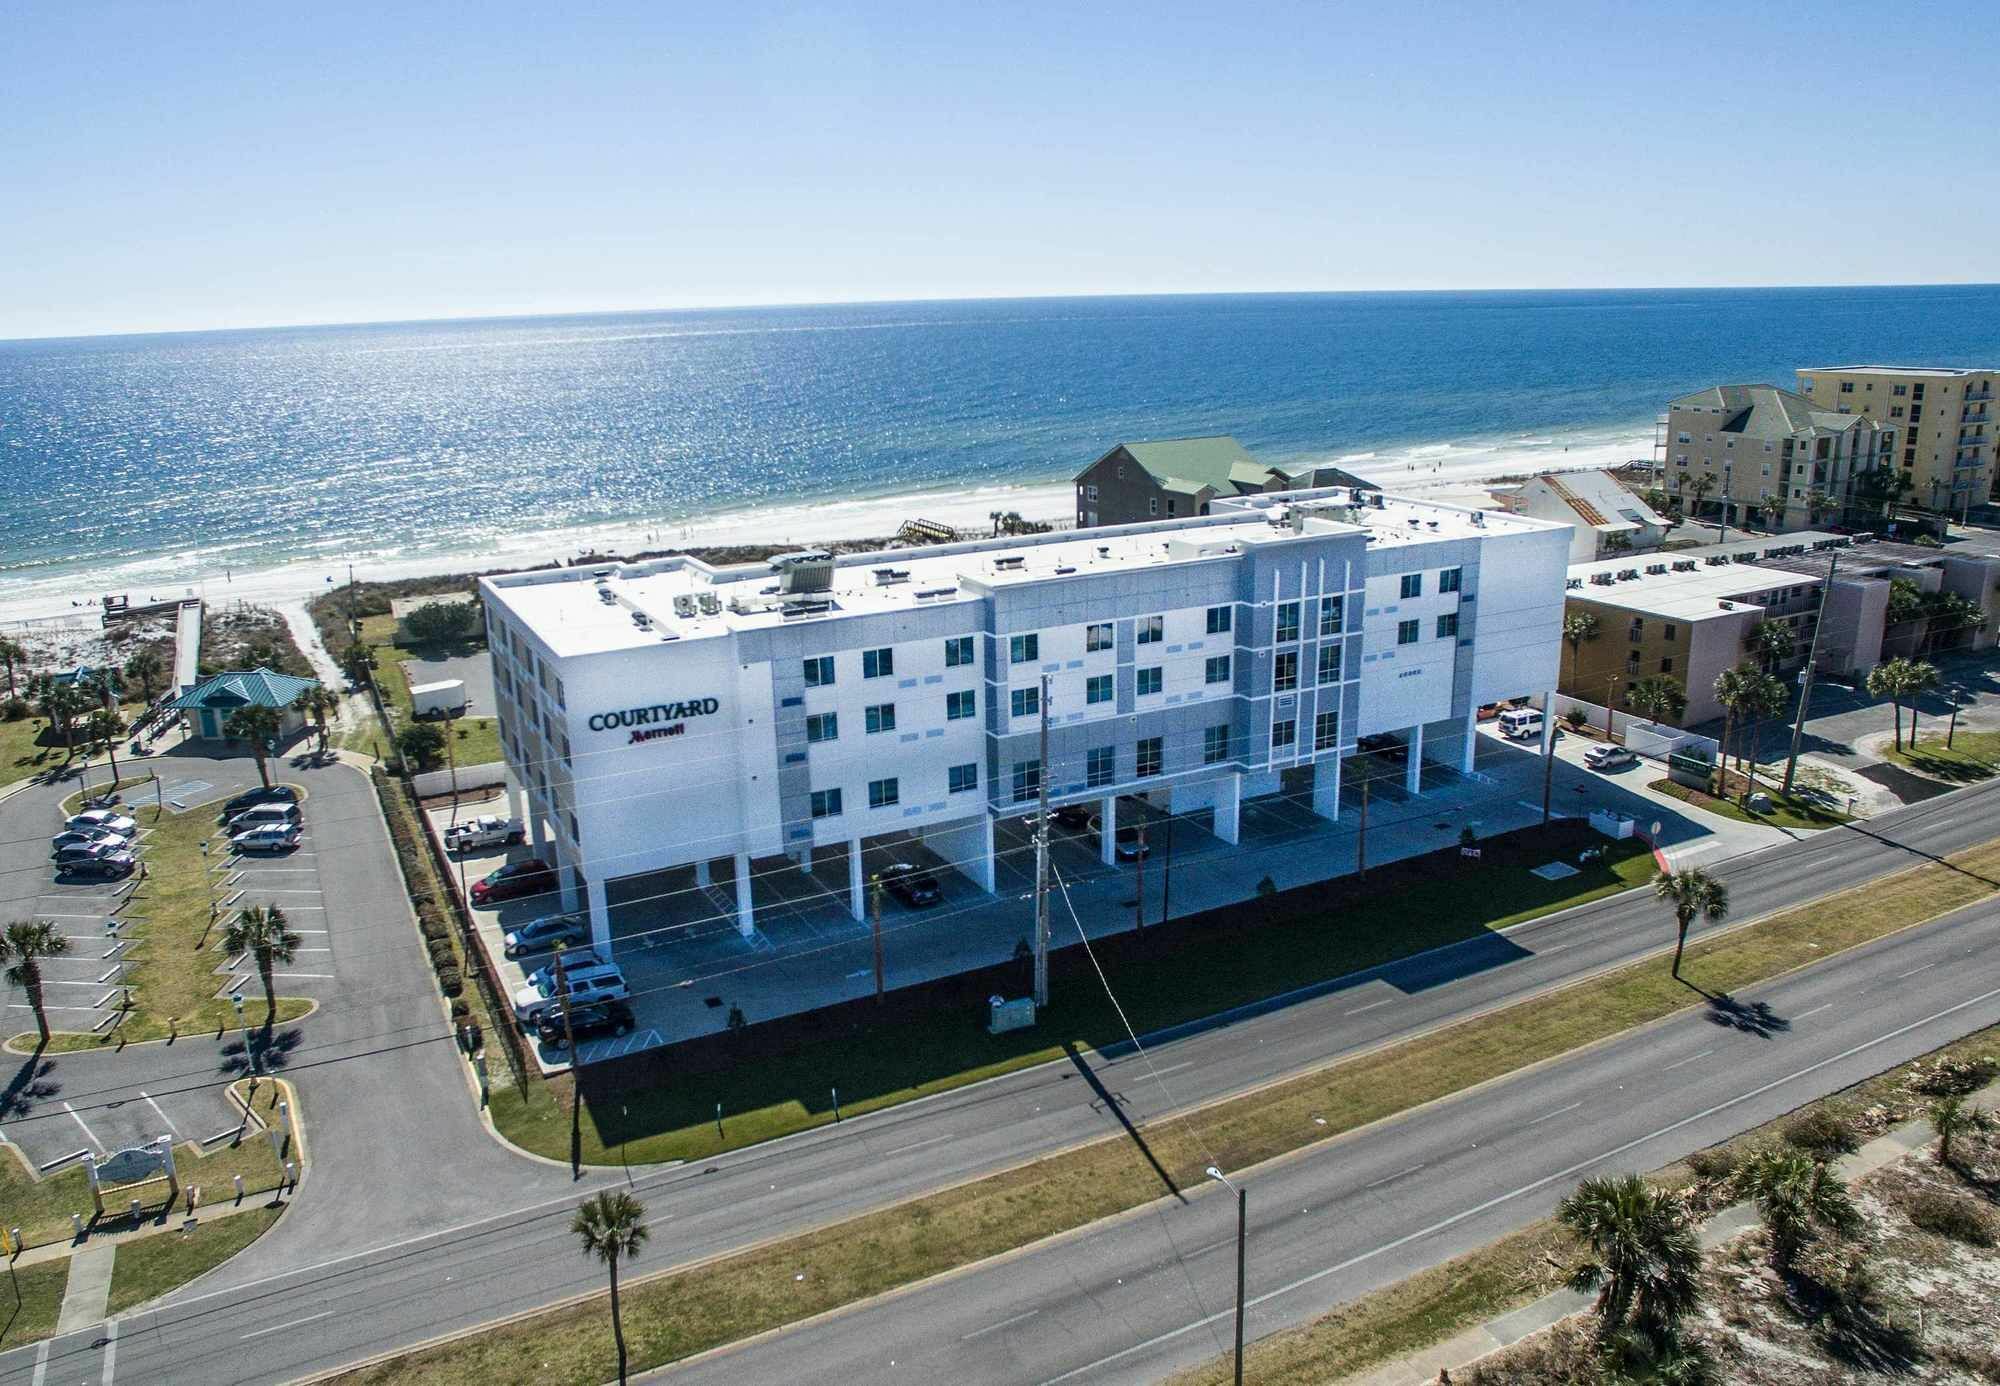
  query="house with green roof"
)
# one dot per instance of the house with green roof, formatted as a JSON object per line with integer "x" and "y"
{"x": 1169, "y": 478}
{"x": 1744, "y": 453}
{"x": 208, "y": 705}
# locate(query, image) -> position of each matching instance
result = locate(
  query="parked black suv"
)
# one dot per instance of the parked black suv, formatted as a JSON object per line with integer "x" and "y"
{"x": 913, "y": 885}
{"x": 249, "y": 799}
{"x": 585, "y": 1022}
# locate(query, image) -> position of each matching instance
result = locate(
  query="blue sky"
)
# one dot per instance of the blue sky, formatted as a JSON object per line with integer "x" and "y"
{"x": 212, "y": 166}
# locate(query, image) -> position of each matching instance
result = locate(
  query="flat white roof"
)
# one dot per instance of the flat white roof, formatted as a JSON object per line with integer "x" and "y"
{"x": 569, "y": 610}
{"x": 1947, "y": 372}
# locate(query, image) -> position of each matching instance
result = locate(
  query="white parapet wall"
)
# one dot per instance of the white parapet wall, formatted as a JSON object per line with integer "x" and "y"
{"x": 1654, "y": 739}
{"x": 433, "y": 782}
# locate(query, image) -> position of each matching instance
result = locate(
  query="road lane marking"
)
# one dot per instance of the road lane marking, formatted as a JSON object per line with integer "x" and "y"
{"x": 918, "y": 1145}
{"x": 1551, "y": 1116}
{"x": 1372, "y": 1005}
{"x": 1530, "y": 1187}
{"x": 162, "y": 1114}
{"x": 1814, "y": 1011}
{"x": 996, "y": 1327}
{"x": 1914, "y": 971}
{"x": 92, "y": 1135}
{"x": 279, "y": 1328}
{"x": 1678, "y": 1063}
{"x": 1397, "y": 1175}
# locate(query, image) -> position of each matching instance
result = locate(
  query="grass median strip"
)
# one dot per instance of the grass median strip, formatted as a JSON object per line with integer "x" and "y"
{"x": 688, "y": 1310}
{"x": 148, "y": 1268}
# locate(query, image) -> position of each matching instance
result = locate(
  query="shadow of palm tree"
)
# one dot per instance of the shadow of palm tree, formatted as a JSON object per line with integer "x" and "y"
{"x": 32, "y": 1082}
{"x": 258, "y": 1051}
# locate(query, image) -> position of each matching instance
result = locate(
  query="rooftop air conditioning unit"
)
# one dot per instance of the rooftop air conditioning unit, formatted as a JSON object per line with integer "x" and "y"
{"x": 711, "y": 605}
{"x": 810, "y": 570}
{"x": 1655, "y": 569}
{"x": 889, "y": 577}
{"x": 1010, "y": 563}
{"x": 1573, "y": 582}
{"x": 683, "y": 605}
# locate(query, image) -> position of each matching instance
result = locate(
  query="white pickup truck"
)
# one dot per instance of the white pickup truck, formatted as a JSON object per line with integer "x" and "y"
{"x": 484, "y": 831}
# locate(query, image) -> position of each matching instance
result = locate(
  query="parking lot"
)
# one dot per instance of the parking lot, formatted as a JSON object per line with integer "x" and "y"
{"x": 687, "y": 965}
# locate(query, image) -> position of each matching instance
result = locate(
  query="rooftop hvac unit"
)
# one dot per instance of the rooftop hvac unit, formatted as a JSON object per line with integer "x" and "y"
{"x": 1628, "y": 574}
{"x": 1573, "y": 582}
{"x": 810, "y": 570}
{"x": 933, "y": 593}
{"x": 1377, "y": 499}
{"x": 1010, "y": 563}
{"x": 1684, "y": 565}
{"x": 683, "y": 605}
{"x": 711, "y": 605}
{"x": 1655, "y": 569}
{"x": 1602, "y": 579}
{"x": 889, "y": 577}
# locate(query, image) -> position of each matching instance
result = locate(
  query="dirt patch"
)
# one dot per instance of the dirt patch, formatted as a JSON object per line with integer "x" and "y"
{"x": 1908, "y": 787}
{"x": 244, "y": 636}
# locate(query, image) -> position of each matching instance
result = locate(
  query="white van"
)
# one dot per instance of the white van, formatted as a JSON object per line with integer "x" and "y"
{"x": 1520, "y": 723}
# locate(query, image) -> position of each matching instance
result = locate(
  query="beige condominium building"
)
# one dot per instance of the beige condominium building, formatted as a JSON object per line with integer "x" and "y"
{"x": 1943, "y": 417}
{"x": 1760, "y": 455}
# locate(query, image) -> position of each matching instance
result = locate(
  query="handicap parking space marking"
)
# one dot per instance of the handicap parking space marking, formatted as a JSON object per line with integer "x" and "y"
{"x": 618, "y": 1046}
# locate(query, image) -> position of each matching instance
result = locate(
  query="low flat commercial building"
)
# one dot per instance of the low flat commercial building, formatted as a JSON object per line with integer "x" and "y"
{"x": 670, "y": 717}
{"x": 1944, "y": 420}
{"x": 1759, "y": 454}
{"x": 1605, "y": 517}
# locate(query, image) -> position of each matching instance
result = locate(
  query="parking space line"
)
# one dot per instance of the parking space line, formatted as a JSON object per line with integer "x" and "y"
{"x": 88, "y": 1133}
{"x": 307, "y": 976}
{"x": 162, "y": 1114}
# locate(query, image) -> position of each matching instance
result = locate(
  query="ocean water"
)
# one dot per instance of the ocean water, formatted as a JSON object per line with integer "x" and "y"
{"x": 168, "y": 456}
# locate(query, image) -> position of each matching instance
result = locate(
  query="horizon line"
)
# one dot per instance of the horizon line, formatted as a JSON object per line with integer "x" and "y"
{"x": 700, "y": 307}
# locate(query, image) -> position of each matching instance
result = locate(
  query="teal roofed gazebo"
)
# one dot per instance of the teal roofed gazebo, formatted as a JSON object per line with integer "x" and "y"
{"x": 209, "y": 703}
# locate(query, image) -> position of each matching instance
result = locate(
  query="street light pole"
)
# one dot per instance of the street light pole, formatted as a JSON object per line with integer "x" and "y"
{"x": 1952, "y": 730}
{"x": 1167, "y": 866}
{"x": 1806, "y": 674}
{"x": 1042, "y": 862}
{"x": 1242, "y": 1238}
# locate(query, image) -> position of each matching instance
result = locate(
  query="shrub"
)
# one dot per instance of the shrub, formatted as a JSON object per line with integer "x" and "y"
{"x": 1821, "y": 1132}
{"x": 14, "y": 709}
{"x": 1948, "y": 1215}
{"x": 441, "y": 954}
{"x": 1576, "y": 717}
{"x": 432, "y": 927}
{"x": 422, "y": 744}
{"x": 1717, "y": 1162}
{"x": 461, "y": 1010}
{"x": 451, "y": 981}
{"x": 1947, "y": 1077}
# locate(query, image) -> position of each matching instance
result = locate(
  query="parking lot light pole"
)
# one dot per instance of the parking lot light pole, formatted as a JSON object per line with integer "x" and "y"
{"x": 875, "y": 928}
{"x": 1242, "y": 1232}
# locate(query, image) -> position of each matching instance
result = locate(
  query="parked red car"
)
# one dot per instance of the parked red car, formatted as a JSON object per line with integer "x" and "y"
{"x": 514, "y": 880}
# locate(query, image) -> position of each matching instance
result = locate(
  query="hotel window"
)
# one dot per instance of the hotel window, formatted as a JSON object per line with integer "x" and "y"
{"x": 1152, "y": 754}
{"x": 1667, "y": 631}
{"x": 881, "y": 717}
{"x": 1097, "y": 637}
{"x": 1899, "y": 390}
{"x": 826, "y": 803}
{"x": 1024, "y": 649}
{"x": 1448, "y": 626}
{"x": 823, "y": 726}
{"x": 1330, "y": 615}
{"x": 1218, "y": 669}
{"x": 1152, "y": 629}
{"x": 1637, "y": 632}
{"x": 819, "y": 672}
{"x": 565, "y": 751}
{"x": 1407, "y": 632}
{"x": 1667, "y": 665}
{"x": 1413, "y": 584}
{"x": 1632, "y": 662}
{"x": 1847, "y": 387}
{"x": 1326, "y": 731}
{"x": 1027, "y": 779}
{"x": 1219, "y": 618}
{"x": 1285, "y": 671}
{"x": 1090, "y": 492}
{"x": 570, "y": 820}
{"x": 877, "y": 664}
{"x": 1150, "y": 680}
{"x": 1288, "y": 621}
{"x": 961, "y": 778}
{"x": 1450, "y": 579}
{"x": 1329, "y": 663}
{"x": 958, "y": 706}
{"x": 1153, "y": 505}
{"x": 1025, "y": 702}
{"x": 1214, "y": 745}
{"x": 1684, "y": 438}
{"x": 884, "y": 793}
{"x": 1284, "y": 733}
{"x": 1100, "y": 766}
{"x": 1098, "y": 689}
{"x": 561, "y": 702}
{"x": 957, "y": 651}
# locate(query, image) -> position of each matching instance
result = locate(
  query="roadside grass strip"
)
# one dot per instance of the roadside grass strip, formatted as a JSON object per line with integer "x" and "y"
{"x": 148, "y": 1268}
{"x": 689, "y": 1309}
{"x": 173, "y": 976}
{"x": 34, "y": 1318}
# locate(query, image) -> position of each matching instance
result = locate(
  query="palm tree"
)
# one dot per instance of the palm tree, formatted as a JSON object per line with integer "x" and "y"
{"x": 1578, "y": 628}
{"x": 62, "y": 704}
{"x": 1761, "y": 695}
{"x": 1798, "y": 1196}
{"x": 1732, "y": 690}
{"x": 358, "y": 662}
{"x": 11, "y": 654}
{"x": 1645, "y": 1260}
{"x": 1659, "y": 697}
{"x": 103, "y": 728}
{"x": 1951, "y": 1117}
{"x": 1772, "y": 508}
{"x": 144, "y": 667}
{"x": 262, "y": 932}
{"x": 1922, "y": 677}
{"x": 1771, "y": 643}
{"x": 318, "y": 703}
{"x": 612, "y": 1227}
{"x": 1691, "y": 892}
{"x": 1818, "y": 504}
{"x": 23, "y": 946}
{"x": 258, "y": 726}
{"x": 1699, "y": 485}
{"x": 1892, "y": 679}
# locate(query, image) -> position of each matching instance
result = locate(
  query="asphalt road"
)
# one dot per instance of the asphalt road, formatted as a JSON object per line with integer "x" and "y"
{"x": 1138, "y": 1297}
{"x": 459, "y": 1263}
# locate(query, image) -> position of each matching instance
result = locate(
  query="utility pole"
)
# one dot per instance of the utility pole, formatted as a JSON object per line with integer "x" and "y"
{"x": 353, "y": 625}
{"x": 1722, "y": 515}
{"x": 1806, "y": 674}
{"x": 875, "y": 928}
{"x": 1361, "y": 841}
{"x": 1042, "y": 862}
{"x": 1139, "y": 902}
{"x": 1952, "y": 730}
{"x": 1167, "y": 867}
{"x": 1548, "y": 772}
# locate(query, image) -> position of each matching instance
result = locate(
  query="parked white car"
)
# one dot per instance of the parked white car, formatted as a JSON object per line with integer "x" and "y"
{"x": 106, "y": 819}
{"x": 484, "y": 831}
{"x": 267, "y": 837}
{"x": 1609, "y": 758}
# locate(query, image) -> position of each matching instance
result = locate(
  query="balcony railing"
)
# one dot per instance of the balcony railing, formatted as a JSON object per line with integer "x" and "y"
{"x": 1974, "y": 396}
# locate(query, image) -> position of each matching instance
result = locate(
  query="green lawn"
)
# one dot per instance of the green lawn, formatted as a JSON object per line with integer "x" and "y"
{"x": 682, "y": 1312}
{"x": 28, "y": 746}
{"x": 1971, "y": 756}
{"x": 1227, "y": 958}
{"x": 1793, "y": 812}
{"x": 33, "y": 1317}
{"x": 177, "y": 940}
{"x": 148, "y": 1268}
{"x": 476, "y": 739}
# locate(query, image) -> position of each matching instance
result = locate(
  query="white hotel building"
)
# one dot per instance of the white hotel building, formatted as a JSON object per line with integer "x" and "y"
{"x": 667, "y": 714}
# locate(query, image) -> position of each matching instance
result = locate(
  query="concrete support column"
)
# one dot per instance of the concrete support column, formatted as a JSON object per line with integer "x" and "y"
{"x": 1228, "y": 808}
{"x": 600, "y": 916}
{"x": 857, "y": 887}
{"x": 534, "y": 826}
{"x": 802, "y": 857}
{"x": 1326, "y": 788}
{"x": 1549, "y": 722}
{"x": 566, "y": 878}
{"x": 1413, "y": 772}
{"x": 983, "y": 864}
{"x": 1107, "y": 837}
{"x": 514, "y": 809}
{"x": 702, "y": 879}
{"x": 746, "y": 908}
{"x": 1467, "y": 753}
